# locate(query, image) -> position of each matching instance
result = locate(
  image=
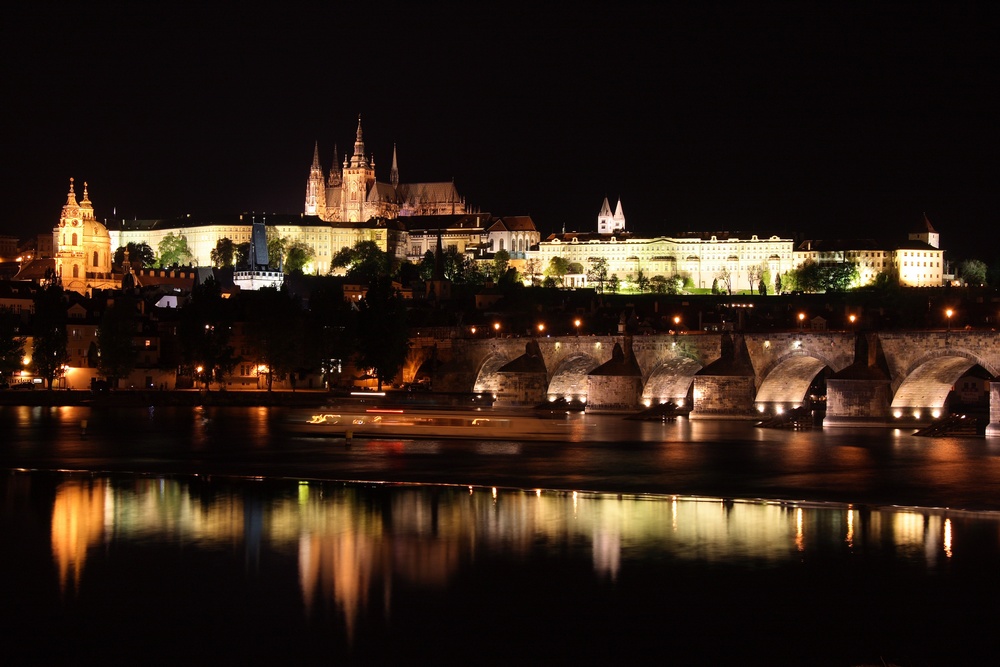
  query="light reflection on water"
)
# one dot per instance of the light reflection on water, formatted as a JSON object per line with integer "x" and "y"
{"x": 353, "y": 548}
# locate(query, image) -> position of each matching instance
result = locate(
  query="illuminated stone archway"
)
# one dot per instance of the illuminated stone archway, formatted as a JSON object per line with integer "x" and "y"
{"x": 786, "y": 385}
{"x": 926, "y": 387}
{"x": 670, "y": 382}
{"x": 488, "y": 380}
{"x": 569, "y": 380}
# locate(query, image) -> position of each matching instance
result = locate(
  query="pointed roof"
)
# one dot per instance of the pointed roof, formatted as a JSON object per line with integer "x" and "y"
{"x": 606, "y": 208}
{"x": 315, "y": 164}
{"x": 618, "y": 209}
{"x": 928, "y": 227}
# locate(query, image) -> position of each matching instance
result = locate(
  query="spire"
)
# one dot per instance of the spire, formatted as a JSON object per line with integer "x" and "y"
{"x": 927, "y": 224}
{"x": 335, "y": 173}
{"x": 315, "y": 164}
{"x": 606, "y": 208}
{"x": 71, "y": 197}
{"x": 358, "y": 159}
{"x": 86, "y": 207}
{"x": 394, "y": 172}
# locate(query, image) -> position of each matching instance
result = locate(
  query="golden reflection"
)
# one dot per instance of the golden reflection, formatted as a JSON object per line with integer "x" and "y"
{"x": 356, "y": 542}
{"x": 947, "y": 538}
{"x": 850, "y": 527}
{"x": 800, "y": 542}
{"x": 77, "y": 524}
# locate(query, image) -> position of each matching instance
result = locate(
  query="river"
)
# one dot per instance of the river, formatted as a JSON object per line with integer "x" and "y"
{"x": 221, "y": 534}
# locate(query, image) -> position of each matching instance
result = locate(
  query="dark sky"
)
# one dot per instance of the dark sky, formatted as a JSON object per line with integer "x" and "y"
{"x": 764, "y": 117}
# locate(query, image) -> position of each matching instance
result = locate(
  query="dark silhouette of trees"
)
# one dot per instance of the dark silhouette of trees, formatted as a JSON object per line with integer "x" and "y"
{"x": 205, "y": 332}
{"x": 383, "y": 337}
{"x": 50, "y": 354}
{"x": 116, "y": 353}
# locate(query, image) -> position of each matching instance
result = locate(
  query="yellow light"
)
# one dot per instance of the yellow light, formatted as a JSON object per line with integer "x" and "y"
{"x": 897, "y": 413}
{"x": 916, "y": 414}
{"x": 935, "y": 413}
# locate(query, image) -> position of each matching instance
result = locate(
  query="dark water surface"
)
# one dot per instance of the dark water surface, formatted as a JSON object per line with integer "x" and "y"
{"x": 168, "y": 536}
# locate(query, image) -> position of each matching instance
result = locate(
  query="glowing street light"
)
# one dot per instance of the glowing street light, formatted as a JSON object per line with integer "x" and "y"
{"x": 802, "y": 320}
{"x": 948, "y": 313}
{"x": 576, "y": 324}
{"x": 853, "y": 318}
{"x": 496, "y": 329}
{"x": 541, "y": 328}
{"x": 473, "y": 330}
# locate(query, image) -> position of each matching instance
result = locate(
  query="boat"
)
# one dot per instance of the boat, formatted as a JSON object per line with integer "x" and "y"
{"x": 354, "y": 422}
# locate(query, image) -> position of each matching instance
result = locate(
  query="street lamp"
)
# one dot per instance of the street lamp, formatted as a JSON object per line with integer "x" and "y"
{"x": 802, "y": 319}
{"x": 852, "y": 317}
{"x": 541, "y": 328}
{"x": 473, "y": 331}
{"x": 576, "y": 324}
{"x": 496, "y": 329}
{"x": 948, "y": 313}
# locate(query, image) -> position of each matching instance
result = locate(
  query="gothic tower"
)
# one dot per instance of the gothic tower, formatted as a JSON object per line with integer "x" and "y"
{"x": 315, "y": 187}
{"x": 359, "y": 177}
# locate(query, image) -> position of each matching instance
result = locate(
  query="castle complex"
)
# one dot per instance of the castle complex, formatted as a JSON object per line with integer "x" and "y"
{"x": 349, "y": 204}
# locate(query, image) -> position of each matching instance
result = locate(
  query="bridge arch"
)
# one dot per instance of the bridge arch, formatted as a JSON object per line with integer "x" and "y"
{"x": 670, "y": 381}
{"x": 786, "y": 382}
{"x": 569, "y": 378}
{"x": 927, "y": 382}
{"x": 487, "y": 379}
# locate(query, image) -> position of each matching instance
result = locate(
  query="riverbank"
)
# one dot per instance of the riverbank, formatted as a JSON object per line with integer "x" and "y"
{"x": 61, "y": 397}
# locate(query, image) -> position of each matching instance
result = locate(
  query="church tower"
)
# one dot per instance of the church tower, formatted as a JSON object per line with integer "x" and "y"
{"x": 608, "y": 223}
{"x": 315, "y": 187}
{"x": 926, "y": 233}
{"x": 359, "y": 177}
{"x": 82, "y": 246}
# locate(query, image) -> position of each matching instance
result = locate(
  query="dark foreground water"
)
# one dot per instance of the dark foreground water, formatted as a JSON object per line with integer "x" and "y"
{"x": 198, "y": 536}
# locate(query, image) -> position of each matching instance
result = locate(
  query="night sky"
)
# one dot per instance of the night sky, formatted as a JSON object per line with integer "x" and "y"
{"x": 758, "y": 117}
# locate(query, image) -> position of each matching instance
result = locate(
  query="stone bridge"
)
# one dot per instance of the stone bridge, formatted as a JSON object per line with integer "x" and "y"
{"x": 884, "y": 377}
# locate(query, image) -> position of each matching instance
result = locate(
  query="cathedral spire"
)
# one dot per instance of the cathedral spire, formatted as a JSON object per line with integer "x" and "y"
{"x": 315, "y": 164}
{"x": 358, "y": 160}
{"x": 394, "y": 172}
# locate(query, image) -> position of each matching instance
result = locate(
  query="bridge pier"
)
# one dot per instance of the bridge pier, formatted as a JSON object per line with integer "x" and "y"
{"x": 993, "y": 428}
{"x": 724, "y": 397}
{"x": 854, "y": 402}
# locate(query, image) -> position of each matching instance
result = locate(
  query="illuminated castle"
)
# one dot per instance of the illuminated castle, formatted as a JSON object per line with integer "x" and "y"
{"x": 352, "y": 194}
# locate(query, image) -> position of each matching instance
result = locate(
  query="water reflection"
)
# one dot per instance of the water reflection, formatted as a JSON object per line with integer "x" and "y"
{"x": 353, "y": 542}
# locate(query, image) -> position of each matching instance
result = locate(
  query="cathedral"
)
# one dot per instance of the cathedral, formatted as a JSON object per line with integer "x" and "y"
{"x": 352, "y": 193}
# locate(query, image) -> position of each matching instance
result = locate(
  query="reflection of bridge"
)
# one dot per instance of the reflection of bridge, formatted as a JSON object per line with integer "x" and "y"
{"x": 884, "y": 376}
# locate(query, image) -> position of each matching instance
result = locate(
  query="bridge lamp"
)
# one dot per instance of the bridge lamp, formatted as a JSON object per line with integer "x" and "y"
{"x": 496, "y": 328}
{"x": 802, "y": 319}
{"x": 853, "y": 318}
{"x": 948, "y": 313}
{"x": 541, "y": 328}
{"x": 473, "y": 330}
{"x": 677, "y": 321}
{"x": 897, "y": 413}
{"x": 935, "y": 413}
{"x": 576, "y": 324}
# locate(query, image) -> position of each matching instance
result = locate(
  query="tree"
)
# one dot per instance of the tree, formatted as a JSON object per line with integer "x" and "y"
{"x": 383, "y": 339}
{"x": 762, "y": 287}
{"x": 330, "y": 331}
{"x": 363, "y": 262}
{"x": 11, "y": 345}
{"x": 839, "y": 277}
{"x": 139, "y": 255}
{"x": 500, "y": 264}
{"x": 276, "y": 246}
{"x": 274, "y": 333}
{"x": 204, "y": 333}
{"x": 299, "y": 255}
{"x": 49, "y": 354}
{"x": 598, "y": 272}
{"x": 777, "y": 283}
{"x": 614, "y": 283}
{"x": 725, "y": 280}
{"x": 173, "y": 251}
{"x": 557, "y": 269}
{"x": 116, "y": 355}
{"x": 242, "y": 254}
{"x": 972, "y": 271}
{"x": 224, "y": 253}
{"x": 531, "y": 268}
